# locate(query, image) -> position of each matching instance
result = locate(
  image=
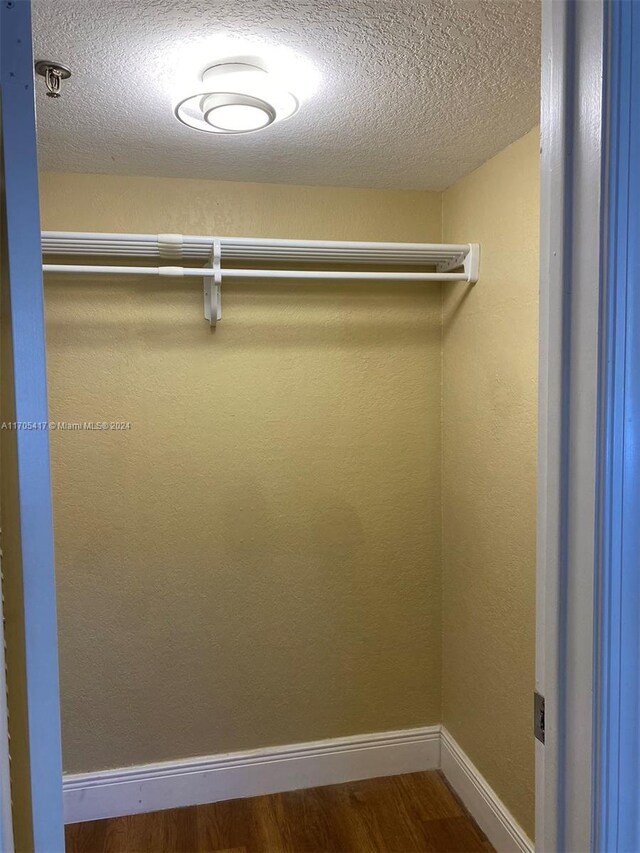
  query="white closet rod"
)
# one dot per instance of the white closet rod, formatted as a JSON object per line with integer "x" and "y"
{"x": 180, "y": 272}
{"x": 452, "y": 261}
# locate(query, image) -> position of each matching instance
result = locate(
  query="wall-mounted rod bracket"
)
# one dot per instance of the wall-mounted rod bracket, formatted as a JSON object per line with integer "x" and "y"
{"x": 469, "y": 260}
{"x": 213, "y": 287}
{"x": 472, "y": 263}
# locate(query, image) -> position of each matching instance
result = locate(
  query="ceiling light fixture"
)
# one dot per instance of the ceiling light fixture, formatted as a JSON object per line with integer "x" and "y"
{"x": 237, "y": 97}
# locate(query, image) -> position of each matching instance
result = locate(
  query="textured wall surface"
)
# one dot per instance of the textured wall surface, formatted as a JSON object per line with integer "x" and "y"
{"x": 257, "y": 561}
{"x": 431, "y": 88}
{"x": 490, "y": 352}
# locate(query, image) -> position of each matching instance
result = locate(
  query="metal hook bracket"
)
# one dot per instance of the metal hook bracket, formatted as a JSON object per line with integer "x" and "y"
{"x": 213, "y": 287}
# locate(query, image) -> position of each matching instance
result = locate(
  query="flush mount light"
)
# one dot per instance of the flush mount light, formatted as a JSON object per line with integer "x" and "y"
{"x": 237, "y": 97}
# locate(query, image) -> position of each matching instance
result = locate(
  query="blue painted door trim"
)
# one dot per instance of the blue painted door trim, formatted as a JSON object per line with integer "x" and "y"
{"x": 617, "y": 701}
{"x": 21, "y": 201}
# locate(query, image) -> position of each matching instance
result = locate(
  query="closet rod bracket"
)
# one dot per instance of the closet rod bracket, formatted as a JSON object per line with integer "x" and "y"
{"x": 469, "y": 260}
{"x": 472, "y": 263}
{"x": 213, "y": 286}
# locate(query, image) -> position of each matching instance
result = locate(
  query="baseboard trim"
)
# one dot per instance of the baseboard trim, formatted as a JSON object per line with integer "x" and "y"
{"x": 210, "y": 779}
{"x": 490, "y": 813}
{"x": 171, "y": 784}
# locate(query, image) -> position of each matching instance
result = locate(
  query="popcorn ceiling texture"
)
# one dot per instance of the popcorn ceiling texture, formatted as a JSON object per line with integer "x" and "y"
{"x": 413, "y": 95}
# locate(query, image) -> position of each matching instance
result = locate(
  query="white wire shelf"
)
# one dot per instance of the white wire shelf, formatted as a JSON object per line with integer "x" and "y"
{"x": 424, "y": 261}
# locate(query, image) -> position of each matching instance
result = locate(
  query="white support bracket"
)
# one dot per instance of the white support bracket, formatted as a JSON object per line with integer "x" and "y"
{"x": 212, "y": 287}
{"x": 469, "y": 261}
{"x": 472, "y": 263}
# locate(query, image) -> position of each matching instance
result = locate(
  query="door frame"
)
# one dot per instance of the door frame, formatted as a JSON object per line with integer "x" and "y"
{"x": 588, "y": 632}
{"x": 617, "y": 646}
{"x": 27, "y": 544}
{"x": 573, "y": 125}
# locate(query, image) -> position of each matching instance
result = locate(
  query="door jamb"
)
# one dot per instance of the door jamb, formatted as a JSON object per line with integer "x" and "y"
{"x": 572, "y": 146}
{"x": 28, "y": 557}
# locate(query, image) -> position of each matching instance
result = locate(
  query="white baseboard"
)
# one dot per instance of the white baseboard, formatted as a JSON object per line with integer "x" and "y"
{"x": 490, "y": 813}
{"x": 152, "y": 787}
{"x": 171, "y": 784}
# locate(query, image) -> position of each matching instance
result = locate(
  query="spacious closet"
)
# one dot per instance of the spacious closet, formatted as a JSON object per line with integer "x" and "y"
{"x": 298, "y": 503}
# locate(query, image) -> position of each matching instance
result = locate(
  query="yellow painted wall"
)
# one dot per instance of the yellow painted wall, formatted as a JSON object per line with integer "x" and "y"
{"x": 490, "y": 351}
{"x": 257, "y": 560}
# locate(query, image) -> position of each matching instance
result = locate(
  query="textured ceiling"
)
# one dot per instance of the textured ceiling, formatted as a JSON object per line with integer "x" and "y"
{"x": 410, "y": 95}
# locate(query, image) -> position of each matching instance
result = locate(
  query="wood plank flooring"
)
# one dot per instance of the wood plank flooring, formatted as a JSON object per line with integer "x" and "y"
{"x": 395, "y": 814}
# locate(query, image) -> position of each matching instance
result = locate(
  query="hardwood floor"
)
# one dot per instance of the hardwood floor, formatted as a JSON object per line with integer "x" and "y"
{"x": 396, "y": 814}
